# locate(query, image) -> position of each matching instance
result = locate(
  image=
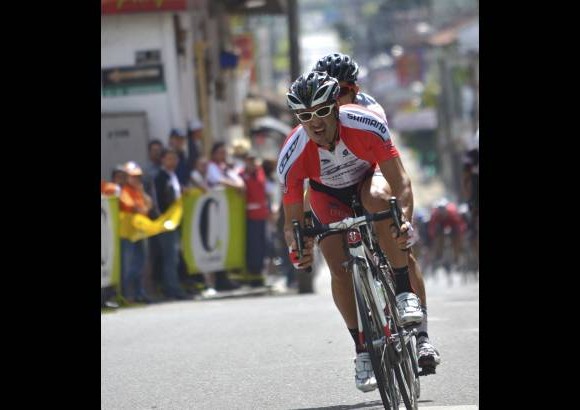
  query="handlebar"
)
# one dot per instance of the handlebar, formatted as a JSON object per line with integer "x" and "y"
{"x": 345, "y": 224}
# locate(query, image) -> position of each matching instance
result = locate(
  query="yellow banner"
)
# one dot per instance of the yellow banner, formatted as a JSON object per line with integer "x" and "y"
{"x": 136, "y": 226}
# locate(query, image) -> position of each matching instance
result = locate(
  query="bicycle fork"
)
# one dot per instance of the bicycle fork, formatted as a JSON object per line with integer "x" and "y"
{"x": 358, "y": 266}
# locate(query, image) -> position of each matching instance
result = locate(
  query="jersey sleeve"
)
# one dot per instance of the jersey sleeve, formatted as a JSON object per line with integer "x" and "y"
{"x": 372, "y": 130}
{"x": 290, "y": 167}
{"x": 383, "y": 150}
{"x": 292, "y": 191}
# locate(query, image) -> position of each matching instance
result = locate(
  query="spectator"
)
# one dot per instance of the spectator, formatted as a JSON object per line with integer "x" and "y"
{"x": 154, "y": 149}
{"x": 257, "y": 214}
{"x": 133, "y": 199}
{"x": 153, "y": 166}
{"x": 178, "y": 143}
{"x": 112, "y": 188}
{"x": 273, "y": 193}
{"x": 272, "y": 184}
{"x": 168, "y": 190}
{"x": 218, "y": 174}
{"x": 194, "y": 142}
{"x": 199, "y": 175}
{"x": 218, "y": 171}
{"x": 118, "y": 179}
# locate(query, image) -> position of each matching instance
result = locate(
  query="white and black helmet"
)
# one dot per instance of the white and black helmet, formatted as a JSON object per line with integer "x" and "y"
{"x": 311, "y": 89}
{"x": 339, "y": 66}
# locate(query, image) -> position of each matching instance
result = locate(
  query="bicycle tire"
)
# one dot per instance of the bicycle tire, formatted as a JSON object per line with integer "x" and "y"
{"x": 407, "y": 382}
{"x": 384, "y": 375}
{"x": 407, "y": 377}
{"x": 412, "y": 347}
{"x": 406, "y": 371}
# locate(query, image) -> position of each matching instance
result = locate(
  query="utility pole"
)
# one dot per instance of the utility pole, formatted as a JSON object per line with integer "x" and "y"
{"x": 293, "y": 30}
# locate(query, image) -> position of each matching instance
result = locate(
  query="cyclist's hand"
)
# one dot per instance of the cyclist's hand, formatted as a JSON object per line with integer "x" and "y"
{"x": 408, "y": 236}
{"x": 307, "y": 254}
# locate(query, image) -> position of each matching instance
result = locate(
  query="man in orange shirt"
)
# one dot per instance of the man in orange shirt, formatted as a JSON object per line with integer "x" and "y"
{"x": 133, "y": 199}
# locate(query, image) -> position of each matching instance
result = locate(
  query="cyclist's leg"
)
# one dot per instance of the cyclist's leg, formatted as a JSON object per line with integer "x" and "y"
{"x": 416, "y": 278}
{"x": 456, "y": 246}
{"x": 332, "y": 248}
{"x": 439, "y": 239}
{"x": 326, "y": 209}
{"x": 375, "y": 193}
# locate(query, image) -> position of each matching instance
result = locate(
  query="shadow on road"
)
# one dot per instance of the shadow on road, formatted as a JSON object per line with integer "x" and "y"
{"x": 369, "y": 404}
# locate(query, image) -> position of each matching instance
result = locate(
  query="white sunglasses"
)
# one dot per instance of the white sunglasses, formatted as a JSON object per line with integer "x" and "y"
{"x": 320, "y": 113}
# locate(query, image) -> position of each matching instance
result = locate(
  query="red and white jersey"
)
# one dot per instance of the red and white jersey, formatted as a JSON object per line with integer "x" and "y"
{"x": 364, "y": 140}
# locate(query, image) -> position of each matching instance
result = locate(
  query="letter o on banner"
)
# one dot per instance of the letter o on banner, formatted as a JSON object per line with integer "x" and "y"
{"x": 210, "y": 231}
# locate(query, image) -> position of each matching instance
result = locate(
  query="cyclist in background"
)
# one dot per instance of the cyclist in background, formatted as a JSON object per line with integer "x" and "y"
{"x": 345, "y": 70}
{"x": 446, "y": 220}
{"x": 343, "y": 152}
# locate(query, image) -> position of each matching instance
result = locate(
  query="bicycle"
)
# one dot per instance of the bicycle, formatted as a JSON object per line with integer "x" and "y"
{"x": 394, "y": 363}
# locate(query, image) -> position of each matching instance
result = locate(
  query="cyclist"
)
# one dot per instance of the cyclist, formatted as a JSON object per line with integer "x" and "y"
{"x": 345, "y": 69}
{"x": 343, "y": 151}
{"x": 444, "y": 218}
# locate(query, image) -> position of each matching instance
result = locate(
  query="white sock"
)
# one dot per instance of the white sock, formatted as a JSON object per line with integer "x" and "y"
{"x": 422, "y": 333}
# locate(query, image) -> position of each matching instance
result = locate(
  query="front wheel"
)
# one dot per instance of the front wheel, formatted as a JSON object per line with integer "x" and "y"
{"x": 374, "y": 336}
{"x": 406, "y": 371}
{"x": 413, "y": 355}
{"x": 407, "y": 379}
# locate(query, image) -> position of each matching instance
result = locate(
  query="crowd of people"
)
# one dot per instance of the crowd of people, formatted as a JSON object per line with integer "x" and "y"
{"x": 150, "y": 189}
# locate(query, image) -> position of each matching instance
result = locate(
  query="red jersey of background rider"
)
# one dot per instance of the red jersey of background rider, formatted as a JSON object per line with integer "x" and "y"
{"x": 364, "y": 140}
{"x": 449, "y": 219}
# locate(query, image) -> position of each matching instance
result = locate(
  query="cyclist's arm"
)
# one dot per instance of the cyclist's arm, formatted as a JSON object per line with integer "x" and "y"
{"x": 400, "y": 184}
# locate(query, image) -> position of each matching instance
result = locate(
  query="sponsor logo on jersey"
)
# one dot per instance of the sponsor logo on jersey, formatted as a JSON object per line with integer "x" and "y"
{"x": 334, "y": 169}
{"x": 368, "y": 121}
{"x": 287, "y": 156}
